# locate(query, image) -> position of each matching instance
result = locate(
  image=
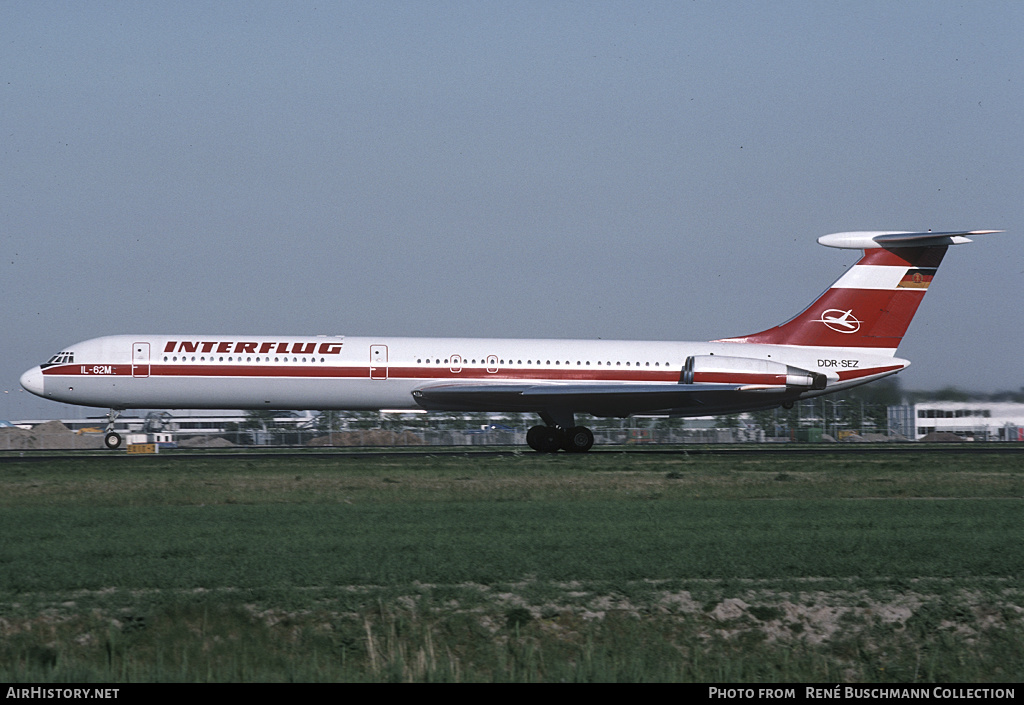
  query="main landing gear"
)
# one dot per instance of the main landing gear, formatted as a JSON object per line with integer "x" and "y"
{"x": 551, "y": 439}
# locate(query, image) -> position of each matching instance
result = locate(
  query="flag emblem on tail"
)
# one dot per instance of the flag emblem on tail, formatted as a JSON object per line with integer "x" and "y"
{"x": 916, "y": 279}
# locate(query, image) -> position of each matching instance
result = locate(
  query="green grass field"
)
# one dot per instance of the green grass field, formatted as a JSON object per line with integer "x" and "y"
{"x": 610, "y": 566}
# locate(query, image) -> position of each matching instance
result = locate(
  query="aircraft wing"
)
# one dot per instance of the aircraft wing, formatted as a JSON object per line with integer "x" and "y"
{"x": 594, "y": 399}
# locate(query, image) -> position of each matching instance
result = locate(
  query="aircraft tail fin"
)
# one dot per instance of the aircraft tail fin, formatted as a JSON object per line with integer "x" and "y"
{"x": 872, "y": 304}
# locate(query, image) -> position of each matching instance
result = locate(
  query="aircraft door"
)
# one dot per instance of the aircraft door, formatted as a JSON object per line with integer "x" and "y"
{"x": 140, "y": 359}
{"x": 378, "y": 362}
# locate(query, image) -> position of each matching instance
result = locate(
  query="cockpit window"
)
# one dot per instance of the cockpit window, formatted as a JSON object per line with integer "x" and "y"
{"x": 62, "y": 358}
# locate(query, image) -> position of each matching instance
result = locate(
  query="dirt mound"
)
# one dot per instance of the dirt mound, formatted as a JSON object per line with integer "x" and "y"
{"x": 52, "y": 435}
{"x": 206, "y": 442}
{"x": 942, "y": 437}
{"x": 372, "y": 437}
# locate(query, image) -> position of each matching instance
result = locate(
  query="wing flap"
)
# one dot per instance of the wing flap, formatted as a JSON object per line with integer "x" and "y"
{"x": 596, "y": 399}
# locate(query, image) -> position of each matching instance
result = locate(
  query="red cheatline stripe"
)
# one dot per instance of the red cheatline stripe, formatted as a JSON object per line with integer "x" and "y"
{"x": 394, "y": 372}
{"x": 856, "y": 374}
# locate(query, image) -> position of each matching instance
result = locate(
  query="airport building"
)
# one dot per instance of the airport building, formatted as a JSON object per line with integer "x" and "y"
{"x": 966, "y": 420}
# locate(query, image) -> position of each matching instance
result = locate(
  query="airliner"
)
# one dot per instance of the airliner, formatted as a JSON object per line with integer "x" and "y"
{"x": 847, "y": 337}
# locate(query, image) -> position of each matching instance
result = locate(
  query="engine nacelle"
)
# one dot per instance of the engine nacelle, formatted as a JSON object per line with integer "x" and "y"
{"x": 721, "y": 369}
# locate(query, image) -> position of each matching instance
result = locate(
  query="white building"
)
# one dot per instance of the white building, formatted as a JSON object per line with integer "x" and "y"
{"x": 971, "y": 420}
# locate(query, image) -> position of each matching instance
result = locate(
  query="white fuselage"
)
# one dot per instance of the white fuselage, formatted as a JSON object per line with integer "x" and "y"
{"x": 335, "y": 372}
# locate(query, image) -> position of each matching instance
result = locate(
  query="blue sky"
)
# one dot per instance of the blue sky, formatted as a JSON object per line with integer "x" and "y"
{"x": 534, "y": 169}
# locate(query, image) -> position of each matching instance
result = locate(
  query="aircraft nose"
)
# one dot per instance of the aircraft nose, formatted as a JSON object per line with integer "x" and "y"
{"x": 32, "y": 381}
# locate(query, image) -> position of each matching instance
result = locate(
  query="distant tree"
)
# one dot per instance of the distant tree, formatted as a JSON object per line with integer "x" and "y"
{"x": 766, "y": 420}
{"x": 785, "y": 420}
{"x": 260, "y": 419}
{"x": 417, "y": 421}
{"x": 361, "y": 419}
{"x": 327, "y": 421}
{"x": 1008, "y": 396}
{"x": 727, "y": 421}
{"x": 865, "y": 408}
{"x": 672, "y": 422}
{"x": 958, "y": 394}
{"x": 951, "y": 394}
{"x": 885, "y": 391}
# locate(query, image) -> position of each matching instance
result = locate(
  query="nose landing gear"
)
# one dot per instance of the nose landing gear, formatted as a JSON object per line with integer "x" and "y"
{"x": 112, "y": 440}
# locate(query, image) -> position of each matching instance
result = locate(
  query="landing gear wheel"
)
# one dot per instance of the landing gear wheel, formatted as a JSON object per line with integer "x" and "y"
{"x": 112, "y": 441}
{"x": 533, "y": 437}
{"x": 578, "y": 439}
{"x": 544, "y": 439}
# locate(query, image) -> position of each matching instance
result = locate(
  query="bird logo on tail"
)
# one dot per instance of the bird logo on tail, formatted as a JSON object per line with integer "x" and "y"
{"x": 840, "y": 321}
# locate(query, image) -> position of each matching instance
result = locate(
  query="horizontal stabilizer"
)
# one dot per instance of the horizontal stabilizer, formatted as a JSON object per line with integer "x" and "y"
{"x": 869, "y": 240}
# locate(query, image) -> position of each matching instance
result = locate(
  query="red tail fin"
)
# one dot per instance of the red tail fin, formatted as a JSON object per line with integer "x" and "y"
{"x": 870, "y": 306}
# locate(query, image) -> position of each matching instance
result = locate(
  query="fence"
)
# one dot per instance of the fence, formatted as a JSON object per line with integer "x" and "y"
{"x": 52, "y": 438}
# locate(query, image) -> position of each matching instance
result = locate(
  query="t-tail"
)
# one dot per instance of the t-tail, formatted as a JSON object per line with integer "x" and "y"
{"x": 870, "y": 307}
